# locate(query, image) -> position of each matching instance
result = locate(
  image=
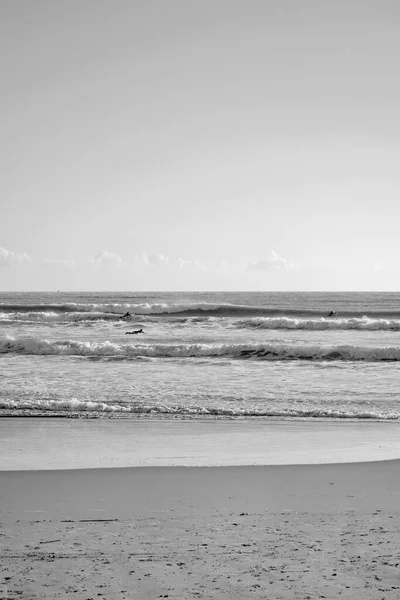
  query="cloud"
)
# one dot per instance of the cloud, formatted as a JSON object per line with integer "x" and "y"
{"x": 156, "y": 260}
{"x": 161, "y": 262}
{"x": 191, "y": 264}
{"x": 183, "y": 263}
{"x": 273, "y": 262}
{"x": 8, "y": 258}
{"x": 107, "y": 260}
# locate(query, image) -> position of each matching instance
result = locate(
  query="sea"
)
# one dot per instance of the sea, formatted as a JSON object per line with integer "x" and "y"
{"x": 225, "y": 355}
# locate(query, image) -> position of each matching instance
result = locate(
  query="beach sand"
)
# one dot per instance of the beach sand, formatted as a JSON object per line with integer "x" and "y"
{"x": 276, "y": 532}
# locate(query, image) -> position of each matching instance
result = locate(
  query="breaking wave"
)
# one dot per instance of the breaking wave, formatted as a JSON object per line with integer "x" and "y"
{"x": 320, "y": 324}
{"x": 52, "y": 316}
{"x": 277, "y": 352}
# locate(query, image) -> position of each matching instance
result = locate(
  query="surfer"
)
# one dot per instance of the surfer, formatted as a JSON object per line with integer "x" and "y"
{"x": 134, "y": 332}
{"x": 126, "y": 315}
{"x": 332, "y": 313}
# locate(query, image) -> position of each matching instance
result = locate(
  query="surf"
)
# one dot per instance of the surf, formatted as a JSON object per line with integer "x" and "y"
{"x": 253, "y": 351}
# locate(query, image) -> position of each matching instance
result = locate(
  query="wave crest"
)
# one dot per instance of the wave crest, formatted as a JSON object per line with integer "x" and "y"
{"x": 282, "y": 352}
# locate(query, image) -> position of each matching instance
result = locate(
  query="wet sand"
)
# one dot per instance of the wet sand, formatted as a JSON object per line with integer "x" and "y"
{"x": 278, "y": 532}
{"x": 54, "y": 443}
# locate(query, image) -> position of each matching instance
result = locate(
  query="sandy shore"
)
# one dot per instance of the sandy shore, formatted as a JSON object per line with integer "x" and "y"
{"x": 277, "y": 532}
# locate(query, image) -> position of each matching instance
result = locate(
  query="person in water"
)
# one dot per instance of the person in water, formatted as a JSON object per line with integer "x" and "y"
{"x": 332, "y": 313}
{"x": 134, "y": 332}
{"x": 126, "y": 315}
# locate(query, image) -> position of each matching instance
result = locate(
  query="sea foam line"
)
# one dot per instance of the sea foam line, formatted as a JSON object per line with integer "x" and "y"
{"x": 142, "y": 408}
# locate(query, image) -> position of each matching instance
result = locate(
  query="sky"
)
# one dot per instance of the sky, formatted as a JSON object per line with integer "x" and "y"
{"x": 199, "y": 145}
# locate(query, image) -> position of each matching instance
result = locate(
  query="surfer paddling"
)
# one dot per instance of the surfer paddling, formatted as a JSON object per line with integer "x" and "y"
{"x": 332, "y": 313}
{"x": 134, "y": 332}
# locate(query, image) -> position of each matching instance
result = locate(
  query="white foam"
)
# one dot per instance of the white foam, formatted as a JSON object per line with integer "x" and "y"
{"x": 42, "y": 406}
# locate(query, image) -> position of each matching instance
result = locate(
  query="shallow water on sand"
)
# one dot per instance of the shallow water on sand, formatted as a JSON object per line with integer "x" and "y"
{"x": 42, "y": 444}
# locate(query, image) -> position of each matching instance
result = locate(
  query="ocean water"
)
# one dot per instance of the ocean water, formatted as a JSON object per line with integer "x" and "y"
{"x": 224, "y": 356}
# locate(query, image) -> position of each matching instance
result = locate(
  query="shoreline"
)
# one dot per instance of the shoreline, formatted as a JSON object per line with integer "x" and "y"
{"x": 168, "y": 416}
